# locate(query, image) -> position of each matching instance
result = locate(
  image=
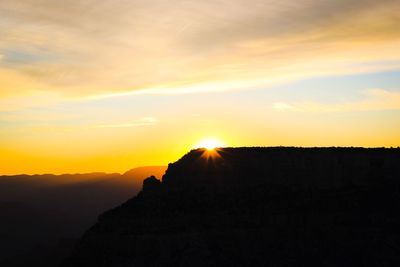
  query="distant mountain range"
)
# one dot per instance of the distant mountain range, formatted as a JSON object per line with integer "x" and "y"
{"x": 43, "y": 215}
{"x": 257, "y": 207}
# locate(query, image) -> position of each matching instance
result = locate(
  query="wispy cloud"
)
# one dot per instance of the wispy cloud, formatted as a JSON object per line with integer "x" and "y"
{"x": 138, "y": 123}
{"x": 85, "y": 48}
{"x": 282, "y": 106}
{"x": 373, "y": 99}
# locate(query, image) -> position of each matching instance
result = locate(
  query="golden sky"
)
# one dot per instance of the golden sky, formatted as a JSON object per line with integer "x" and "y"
{"x": 110, "y": 85}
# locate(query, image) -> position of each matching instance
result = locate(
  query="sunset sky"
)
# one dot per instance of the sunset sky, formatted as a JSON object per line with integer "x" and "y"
{"x": 110, "y": 85}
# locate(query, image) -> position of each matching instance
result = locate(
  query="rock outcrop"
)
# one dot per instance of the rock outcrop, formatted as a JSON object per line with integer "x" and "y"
{"x": 151, "y": 183}
{"x": 257, "y": 207}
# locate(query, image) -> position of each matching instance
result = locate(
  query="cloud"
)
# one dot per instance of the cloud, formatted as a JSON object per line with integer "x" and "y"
{"x": 282, "y": 106}
{"x": 87, "y": 48}
{"x": 148, "y": 121}
{"x": 373, "y": 99}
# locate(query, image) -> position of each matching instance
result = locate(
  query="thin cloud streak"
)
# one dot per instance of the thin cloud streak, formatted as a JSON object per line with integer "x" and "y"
{"x": 141, "y": 122}
{"x": 80, "y": 48}
{"x": 374, "y": 100}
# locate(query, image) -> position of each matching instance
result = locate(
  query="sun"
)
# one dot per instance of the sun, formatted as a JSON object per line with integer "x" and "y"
{"x": 209, "y": 144}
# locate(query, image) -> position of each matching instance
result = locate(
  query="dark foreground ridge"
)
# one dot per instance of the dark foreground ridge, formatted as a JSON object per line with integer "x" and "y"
{"x": 257, "y": 207}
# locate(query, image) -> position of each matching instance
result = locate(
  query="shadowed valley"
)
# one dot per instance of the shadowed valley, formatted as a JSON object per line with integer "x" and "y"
{"x": 43, "y": 215}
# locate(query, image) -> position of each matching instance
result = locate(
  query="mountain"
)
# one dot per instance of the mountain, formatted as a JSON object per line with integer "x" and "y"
{"x": 43, "y": 215}
{"x": 279, "y": 206}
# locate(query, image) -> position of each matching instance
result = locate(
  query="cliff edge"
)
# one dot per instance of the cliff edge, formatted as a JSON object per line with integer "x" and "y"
{"x": 257, "y": 207}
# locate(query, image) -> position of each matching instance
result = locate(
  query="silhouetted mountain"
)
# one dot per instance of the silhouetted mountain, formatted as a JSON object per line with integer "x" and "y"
{"x": 41, "y": 216}
{"x": 257, "y": 207}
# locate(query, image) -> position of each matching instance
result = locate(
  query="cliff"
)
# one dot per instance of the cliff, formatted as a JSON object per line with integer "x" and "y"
{"x": 257, "y": 207}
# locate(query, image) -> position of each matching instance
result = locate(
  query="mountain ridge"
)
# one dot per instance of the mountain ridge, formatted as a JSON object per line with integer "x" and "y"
{"x": 58, "y": 208}
{"x": 257, "y": 207}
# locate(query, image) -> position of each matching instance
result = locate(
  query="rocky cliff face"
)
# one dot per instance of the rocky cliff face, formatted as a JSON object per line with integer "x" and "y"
{"x": 257, "y": 207}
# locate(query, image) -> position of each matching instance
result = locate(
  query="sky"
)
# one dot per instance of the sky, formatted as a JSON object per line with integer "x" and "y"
{"x": 111, "y": 85}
